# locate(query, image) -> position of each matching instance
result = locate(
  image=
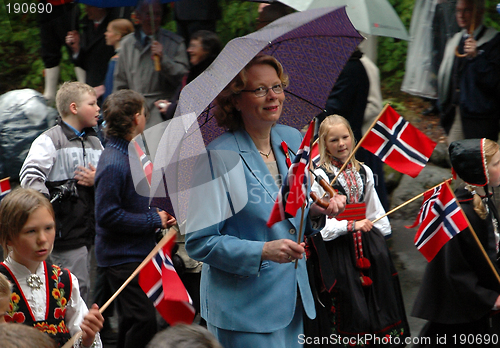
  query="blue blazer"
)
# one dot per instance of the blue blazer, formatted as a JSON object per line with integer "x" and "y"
{"x": 239, "y": 291}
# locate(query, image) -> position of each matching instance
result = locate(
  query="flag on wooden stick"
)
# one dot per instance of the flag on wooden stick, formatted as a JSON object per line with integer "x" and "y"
{"x": 161, "y": 283}
{"x": 398, "y": 143}
{"x": 440, "y": 223}
{"x": 293, "y": 192}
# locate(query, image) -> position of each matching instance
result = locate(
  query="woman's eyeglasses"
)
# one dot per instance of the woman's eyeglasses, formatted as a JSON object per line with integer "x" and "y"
{"x": 262, "y": 91}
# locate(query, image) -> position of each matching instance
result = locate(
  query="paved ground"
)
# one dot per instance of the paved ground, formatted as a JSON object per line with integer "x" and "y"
{"x": 411, "y": 265}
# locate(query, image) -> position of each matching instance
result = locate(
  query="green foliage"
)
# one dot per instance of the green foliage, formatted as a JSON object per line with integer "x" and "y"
{"x": 238, "y": 19}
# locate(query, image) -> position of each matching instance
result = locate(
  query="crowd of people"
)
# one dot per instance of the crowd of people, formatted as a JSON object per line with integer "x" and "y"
{"x": 252, "y": 285}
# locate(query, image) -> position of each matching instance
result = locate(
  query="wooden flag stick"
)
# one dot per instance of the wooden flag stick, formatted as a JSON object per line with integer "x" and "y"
{"x": 358, "y": 145}
{"x": 166, "y": 238}
{"x": 473, "y": 233}
{"x": 303, "y": 208}
{"x": 408, "y": 201}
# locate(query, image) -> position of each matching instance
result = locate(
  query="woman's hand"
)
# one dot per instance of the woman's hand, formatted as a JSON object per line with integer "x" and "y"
{"x": 282, "y": 250}
{"x": 91, "y": 325}
{"x": 336, "y": 205}
{"x": 363, "y": 225}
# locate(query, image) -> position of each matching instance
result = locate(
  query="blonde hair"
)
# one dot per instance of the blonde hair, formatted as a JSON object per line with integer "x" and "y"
{"x": 490, "y": 149}
{"x": 5, "y": 287}
{"x": 226, "y": 114}
{"x": 14, "y": 335}
{"x": 15, "y": 210}
{"x": 122, "y": 26}
{"x": 324, "y": 128}
{"x": 71, "y": 92}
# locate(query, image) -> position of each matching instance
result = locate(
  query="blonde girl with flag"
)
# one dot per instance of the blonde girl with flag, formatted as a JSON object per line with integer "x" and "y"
{"x": 365, "y": 306}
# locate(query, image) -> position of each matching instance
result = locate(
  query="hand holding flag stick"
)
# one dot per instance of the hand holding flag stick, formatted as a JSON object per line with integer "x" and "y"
{"x": 170, "y": 234}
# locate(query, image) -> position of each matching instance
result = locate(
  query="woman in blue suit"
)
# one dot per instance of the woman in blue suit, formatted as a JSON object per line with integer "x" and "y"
{"x": 251, "y": 293}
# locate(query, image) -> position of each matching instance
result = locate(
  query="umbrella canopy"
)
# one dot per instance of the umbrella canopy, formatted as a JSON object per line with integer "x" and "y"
{"x": 313, "y": 47}
{"x": 115, "y": 3}
{"x": 374, "y": 17}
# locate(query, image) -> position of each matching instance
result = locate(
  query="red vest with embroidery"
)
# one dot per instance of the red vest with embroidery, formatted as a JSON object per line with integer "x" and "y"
{"x": 58, "y": 286}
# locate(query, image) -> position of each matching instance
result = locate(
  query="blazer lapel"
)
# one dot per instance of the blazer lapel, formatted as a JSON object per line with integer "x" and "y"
{"x": 252, "y": 159}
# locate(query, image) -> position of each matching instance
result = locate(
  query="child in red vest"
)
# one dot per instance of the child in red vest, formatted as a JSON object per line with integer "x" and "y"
{"x": 43, "y": 296}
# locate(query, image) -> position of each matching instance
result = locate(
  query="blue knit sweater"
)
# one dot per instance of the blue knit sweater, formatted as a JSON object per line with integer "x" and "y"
{"x": 125, "y": 226}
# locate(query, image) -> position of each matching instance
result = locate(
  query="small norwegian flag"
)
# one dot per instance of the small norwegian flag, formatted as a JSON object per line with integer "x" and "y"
{"x": 430, "y": 197}
{"x": 161, "y": 283}
{"x": 443, "y": 221}
{"x": 147, "y": 165}
{"x": 399, "y": 144}
{"x": 292, "y": 194}
{"x": 4, "y": 187}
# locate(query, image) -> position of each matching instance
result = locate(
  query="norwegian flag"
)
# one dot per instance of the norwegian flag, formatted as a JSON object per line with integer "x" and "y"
{"x": 399, "y": 144}
{"x": 161, "y": 283}
{"x": 4, "y": 187}
{"x": 444, "y": 220}
{"x": 292, "y": 194}
{"x": 147, "y": 165}
{"x": 430, "y": 197}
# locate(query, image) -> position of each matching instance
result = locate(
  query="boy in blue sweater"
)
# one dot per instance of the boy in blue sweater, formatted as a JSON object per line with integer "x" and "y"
{"x": 125, "y": 225}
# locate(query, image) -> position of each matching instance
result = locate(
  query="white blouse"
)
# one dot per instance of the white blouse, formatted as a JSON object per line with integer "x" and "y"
{"x": 374, "y": 209}
{"x": 76, "y": 309}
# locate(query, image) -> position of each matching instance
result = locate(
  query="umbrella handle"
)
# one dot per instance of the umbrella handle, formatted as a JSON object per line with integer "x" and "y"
{"x": 331, "y": 192}
{"x": 157, "y": 63}
{"x": 459, "y": 55}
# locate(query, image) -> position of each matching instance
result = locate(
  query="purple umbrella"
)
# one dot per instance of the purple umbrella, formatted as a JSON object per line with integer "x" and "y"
{"x": 313, "y": 47}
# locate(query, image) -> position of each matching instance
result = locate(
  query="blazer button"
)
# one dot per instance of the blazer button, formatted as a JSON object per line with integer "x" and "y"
{"x": 292, "y": 231}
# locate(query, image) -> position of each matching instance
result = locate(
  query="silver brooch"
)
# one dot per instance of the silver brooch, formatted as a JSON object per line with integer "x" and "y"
{"x": 34, "y": 282}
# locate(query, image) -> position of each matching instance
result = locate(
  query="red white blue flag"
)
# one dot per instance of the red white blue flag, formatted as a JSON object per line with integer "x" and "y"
{"x": 161, "y": 283}
{"x": 399, "y": 144}
{"x": 4, "y": 186}
{"x": 147, "y": 165}
{"x": 444, "y": 220}
{"x": 430, "y": 197}
{"x": 293, "y": 192}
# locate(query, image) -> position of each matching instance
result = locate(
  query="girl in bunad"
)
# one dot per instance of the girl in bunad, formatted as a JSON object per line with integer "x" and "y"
{"x": 43, "y": 296}
{"x": 365, "y": 304}
{"x": 460, "y": 294}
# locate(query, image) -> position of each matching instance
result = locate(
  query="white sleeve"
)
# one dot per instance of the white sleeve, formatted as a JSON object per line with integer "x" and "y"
{"x": 374, "y": 208}
{"x": 333, "y": 228}
{"x": 76, "y": 310}
{"x": 38, "y": 163}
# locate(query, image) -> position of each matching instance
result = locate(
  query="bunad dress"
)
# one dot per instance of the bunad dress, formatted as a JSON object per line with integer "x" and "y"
{"x": 359, "y": 288}
{"x": 49, "y": 300}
